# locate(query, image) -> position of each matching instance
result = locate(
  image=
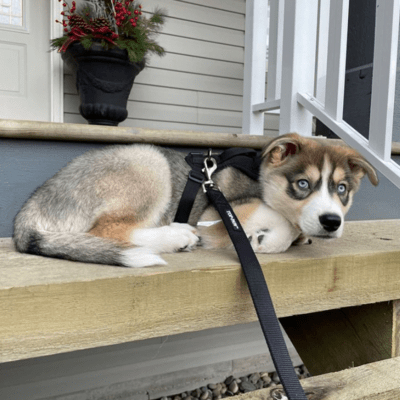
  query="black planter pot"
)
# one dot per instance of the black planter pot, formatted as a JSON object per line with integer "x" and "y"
{"x": 104, "y": 79}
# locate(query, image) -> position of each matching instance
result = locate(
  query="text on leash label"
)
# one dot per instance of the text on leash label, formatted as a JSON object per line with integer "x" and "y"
{"x": 233, "y": 220}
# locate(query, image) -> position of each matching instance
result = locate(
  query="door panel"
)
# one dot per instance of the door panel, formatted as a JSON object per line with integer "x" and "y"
{"x": 25, "y": 63}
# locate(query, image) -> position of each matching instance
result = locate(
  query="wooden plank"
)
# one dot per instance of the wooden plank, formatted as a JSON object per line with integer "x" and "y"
{"x": 396, "y": 329}
{"x": 97, "y": 133}
{"x": 377, "y": 381}
{"x": 334, "y": 340}
{"x": 51, "y": 306}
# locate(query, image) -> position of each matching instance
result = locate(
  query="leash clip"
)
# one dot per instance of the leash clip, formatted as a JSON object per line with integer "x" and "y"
{"x": 208, "y": 170}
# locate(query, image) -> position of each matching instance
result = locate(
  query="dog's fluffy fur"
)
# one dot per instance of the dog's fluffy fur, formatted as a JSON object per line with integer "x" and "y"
{"x": 116, "y": 206}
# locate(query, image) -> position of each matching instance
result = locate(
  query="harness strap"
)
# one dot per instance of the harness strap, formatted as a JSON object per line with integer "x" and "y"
{"x": 245, "y": 160}
{"x": 195, "y": 180}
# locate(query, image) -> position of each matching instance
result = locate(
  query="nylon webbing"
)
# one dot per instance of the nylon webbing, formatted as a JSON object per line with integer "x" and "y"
{"x": 261, "y": 297}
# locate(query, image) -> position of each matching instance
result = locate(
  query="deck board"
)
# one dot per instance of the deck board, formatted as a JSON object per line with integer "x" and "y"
{"x": 51, "y": 306}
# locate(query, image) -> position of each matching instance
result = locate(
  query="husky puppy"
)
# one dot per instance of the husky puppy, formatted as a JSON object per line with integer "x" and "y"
{"x": 116, "y": 206}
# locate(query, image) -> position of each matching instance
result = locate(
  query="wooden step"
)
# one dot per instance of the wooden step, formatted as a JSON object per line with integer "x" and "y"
{"x": 51, "y": 306}
{"x": 376, "y": 381}
{"x": 16, "y": 129}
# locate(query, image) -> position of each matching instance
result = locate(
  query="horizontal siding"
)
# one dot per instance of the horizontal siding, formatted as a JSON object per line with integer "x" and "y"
{"x": 198, "y": 84}
{"x": 238, "y": 6}
{"x": 200, "y": 13}
{"x": 196, "y": 30}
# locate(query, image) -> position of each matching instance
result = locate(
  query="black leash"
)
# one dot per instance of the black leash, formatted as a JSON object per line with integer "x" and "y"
{"x": 254, "y": 277}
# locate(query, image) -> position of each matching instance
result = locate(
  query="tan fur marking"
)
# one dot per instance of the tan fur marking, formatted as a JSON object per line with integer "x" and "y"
{"x": 216, "y": 236}
{"x": 114, "y": 227}
{"x": 312, "y": 172}
{"x": 338, "y": 175}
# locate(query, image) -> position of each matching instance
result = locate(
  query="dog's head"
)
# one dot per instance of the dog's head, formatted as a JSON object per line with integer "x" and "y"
{"x": 312, "y": 184}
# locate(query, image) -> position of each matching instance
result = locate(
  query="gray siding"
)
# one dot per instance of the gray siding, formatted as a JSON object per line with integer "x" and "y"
{"x": 198, "y": 84}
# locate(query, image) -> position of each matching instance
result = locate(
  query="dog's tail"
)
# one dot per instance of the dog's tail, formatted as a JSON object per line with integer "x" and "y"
{"x": 83, "y": 247}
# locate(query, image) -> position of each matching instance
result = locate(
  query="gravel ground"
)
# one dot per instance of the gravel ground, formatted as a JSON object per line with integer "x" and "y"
{"x": 233, "y": 386}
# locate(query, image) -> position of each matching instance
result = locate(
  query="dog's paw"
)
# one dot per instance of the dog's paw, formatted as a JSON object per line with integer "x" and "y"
{"x": 166, "y": 239}
{"x": 267, "y": 241}
{"x": 139, "y": 257}
{"x": 188, "y": 234}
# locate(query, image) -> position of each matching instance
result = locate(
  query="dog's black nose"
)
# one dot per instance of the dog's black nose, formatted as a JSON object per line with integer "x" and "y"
{"x": 330, "y": 222}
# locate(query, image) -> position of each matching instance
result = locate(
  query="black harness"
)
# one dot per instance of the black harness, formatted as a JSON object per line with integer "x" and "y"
{"x": 247, "y": 161}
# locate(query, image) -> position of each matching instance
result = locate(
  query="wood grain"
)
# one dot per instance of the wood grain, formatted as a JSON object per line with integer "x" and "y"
{"x": 334, "y": 340}
{"x": 396, "y": 329}
{"x": 16, "y": 129}
{"x": 51, "y": 306}
{"x": 376, "y": 381}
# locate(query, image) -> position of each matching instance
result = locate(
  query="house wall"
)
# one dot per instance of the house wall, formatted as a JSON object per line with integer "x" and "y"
{"x": 198, "y": 84}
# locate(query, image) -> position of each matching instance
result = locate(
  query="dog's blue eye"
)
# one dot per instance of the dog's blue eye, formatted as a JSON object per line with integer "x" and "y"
{"x": 341, "y": 189}
{"x": 303, "y": 184}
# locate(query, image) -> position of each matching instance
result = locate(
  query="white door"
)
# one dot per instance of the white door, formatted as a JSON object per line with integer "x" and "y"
{"x": 25, "y": 74}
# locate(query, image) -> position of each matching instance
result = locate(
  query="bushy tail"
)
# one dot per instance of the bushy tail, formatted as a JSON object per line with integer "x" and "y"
{"x": 83, "y": 247}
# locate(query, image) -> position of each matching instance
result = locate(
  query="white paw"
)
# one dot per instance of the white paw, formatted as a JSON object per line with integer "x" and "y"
{"x": 139, "y": 257}
{"x": 166, "y": 239}
{"x": 267, "y": 241}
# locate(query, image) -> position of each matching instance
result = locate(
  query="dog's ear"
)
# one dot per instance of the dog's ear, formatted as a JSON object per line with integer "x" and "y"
{"x": 360, "y": 166}
{"x": 278, "y": 151}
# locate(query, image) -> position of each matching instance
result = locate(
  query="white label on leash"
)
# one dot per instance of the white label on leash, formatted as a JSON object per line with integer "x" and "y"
{"x": 208, "y": 223}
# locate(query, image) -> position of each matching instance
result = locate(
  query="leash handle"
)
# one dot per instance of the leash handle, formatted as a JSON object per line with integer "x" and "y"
{"x": 260, "y": 295}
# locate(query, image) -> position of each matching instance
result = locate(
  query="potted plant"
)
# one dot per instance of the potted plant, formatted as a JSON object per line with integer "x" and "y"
{"x": 107, "y": 42}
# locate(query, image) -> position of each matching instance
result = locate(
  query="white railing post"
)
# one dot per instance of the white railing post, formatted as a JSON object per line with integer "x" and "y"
{"x": 254, "y": 65}
{"x": 384, "y": 77}
{"x": 336, "y": 64}
{"x": 298, "y": 64}
{"x": 274, "y": 75}
{"x": 322, "y": 49}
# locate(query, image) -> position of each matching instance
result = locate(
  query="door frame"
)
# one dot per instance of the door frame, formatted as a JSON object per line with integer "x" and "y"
{"x": 56, "y": 67}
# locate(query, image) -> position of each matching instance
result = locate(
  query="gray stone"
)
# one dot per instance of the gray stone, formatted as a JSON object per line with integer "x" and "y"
{"x": 246, "y": 385}
{"x": 275, "y": 377}
{"x": 254, "y": 378}
{"x": 229, "y": 380}
{"x": 233, "y": 387}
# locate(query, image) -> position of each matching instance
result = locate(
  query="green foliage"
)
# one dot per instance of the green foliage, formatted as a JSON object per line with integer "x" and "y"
{"x": 113, "y": 24}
